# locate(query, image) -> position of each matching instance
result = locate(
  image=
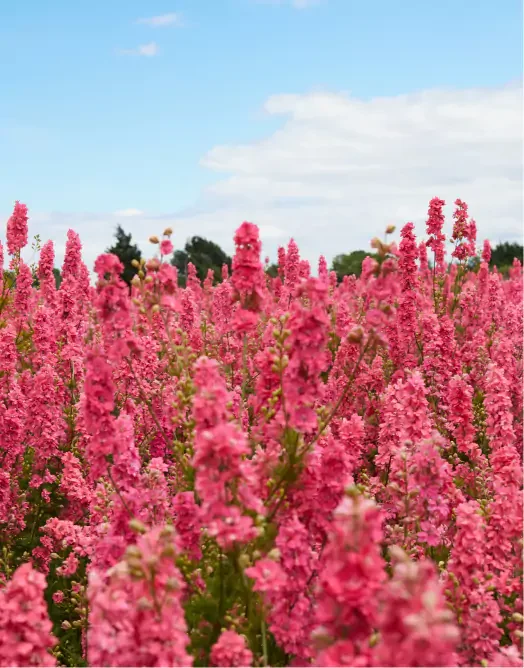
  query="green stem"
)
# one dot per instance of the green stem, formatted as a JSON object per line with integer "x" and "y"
{"x": 264, "y": 643}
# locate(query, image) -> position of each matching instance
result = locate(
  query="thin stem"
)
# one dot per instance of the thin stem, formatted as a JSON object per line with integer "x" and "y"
{"x": 115, "y": 486}
{"x": 264, "y": 643}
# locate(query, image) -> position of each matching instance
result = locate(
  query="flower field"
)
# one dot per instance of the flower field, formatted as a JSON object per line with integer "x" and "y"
{"x": 264, "y": 471}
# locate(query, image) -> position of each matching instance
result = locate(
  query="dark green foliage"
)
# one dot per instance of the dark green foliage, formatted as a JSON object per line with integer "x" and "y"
{"x": 503, "y": 254}
{"x": 204, "y": 254}
{"x": 9, "y": 278}
{"x": 126, "y": 253}
{"x": 272, "y": 270}
{"x": 349, "y": 264}
{"x": 58, "y": 277}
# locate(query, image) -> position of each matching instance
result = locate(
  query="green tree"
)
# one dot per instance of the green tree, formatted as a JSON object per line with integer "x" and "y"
{"x": 58, "y": 277}
{"x": 56, "y": 274}
{"x": 272, "y": 270}
{"x": 349, "y": 264}
{"x": 9, "y": 278}
{"x": 204, "y": 254}
{"x": 503, "y": 255}
{"x": 126, "y": 253}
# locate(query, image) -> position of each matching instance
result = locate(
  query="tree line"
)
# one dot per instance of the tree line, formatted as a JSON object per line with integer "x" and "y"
{"x": 205, "y": 254}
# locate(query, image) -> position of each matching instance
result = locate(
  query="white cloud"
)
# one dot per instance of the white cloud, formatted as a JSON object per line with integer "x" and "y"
{"x": 150, "y": 49}
{"x": 340, "y": 169}
{"x": 147, "y": 50}
{"x": 128, "y": 213}
{"x": 162, "y": 20}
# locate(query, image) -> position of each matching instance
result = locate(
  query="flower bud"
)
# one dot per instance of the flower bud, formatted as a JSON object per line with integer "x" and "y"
{"x": 397, "y": 553}
{"x": 168, "y": 552}
{"x": 374, "y": 639}
{"x": 168, "y": 232}
{"x": 152, "y": 561}
{"x": 144, "y": 603}
{"x": 243, "y": 560}
{"x": 168, "y": 531}
{"x": 134, "y": 552}
{"x": 137, "y": 526}
{"x": 153, "y": 264}
{"x": 153, "y": 239}
{"x": 356, "y": 335}
{"x": 390, "y": 229}
{"x": 172, "y": 584}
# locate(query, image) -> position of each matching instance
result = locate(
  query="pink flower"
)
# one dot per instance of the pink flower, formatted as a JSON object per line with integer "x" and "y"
{"x": 139, "y": 620}
{"x": 108, "y": 264}
{"x": 248, "y": 274}
{"x": 464, "y": 233}
{"x": 268, "y": 576}
{"x": 166, "y": 247}
{"x": 69, "y": 567}
{"x": 407, "y": 319}
{"x": 352, "y": 574}
{"x": 58, "y": 596}
{"x": 17, "y": 229}
{"x": 224, "y": 478}
{"x": 416, "y": 627}
{"x": 434, "y": 227}
{"x": 24, "y": 282}
{"x": 248, "y": 457}
{"x": 308, "y": 357}
{"x": 230, "y": 650}
{"x": 188, "y": 523}
{"x": 25, "y": 628}
{"x": 486, "y": 252}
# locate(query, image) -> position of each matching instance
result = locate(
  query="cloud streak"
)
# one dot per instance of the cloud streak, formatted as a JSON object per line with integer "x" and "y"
{"x": 164, "y": 20}
{"x": 146, "y": 50}
{"x": 128, "y": 213}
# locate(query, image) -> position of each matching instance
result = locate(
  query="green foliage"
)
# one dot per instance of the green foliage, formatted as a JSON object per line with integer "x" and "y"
{"x": 126, "y": 253}
{"x": 272, "y": 270}
{"x": 503, "y": 254}
{"x": 58, "y": 277}
{"x": 9, "y": 279}
{"x": 36, "y": 281}
{"x": 349, "y": 264}
{"x": 204, "y": 254}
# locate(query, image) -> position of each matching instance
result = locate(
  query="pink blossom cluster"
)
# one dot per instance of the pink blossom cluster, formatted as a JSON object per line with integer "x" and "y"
{"x": 262, "y": 471}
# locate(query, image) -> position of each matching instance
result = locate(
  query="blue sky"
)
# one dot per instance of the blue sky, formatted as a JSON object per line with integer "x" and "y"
{"x": 89, "y": 126}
